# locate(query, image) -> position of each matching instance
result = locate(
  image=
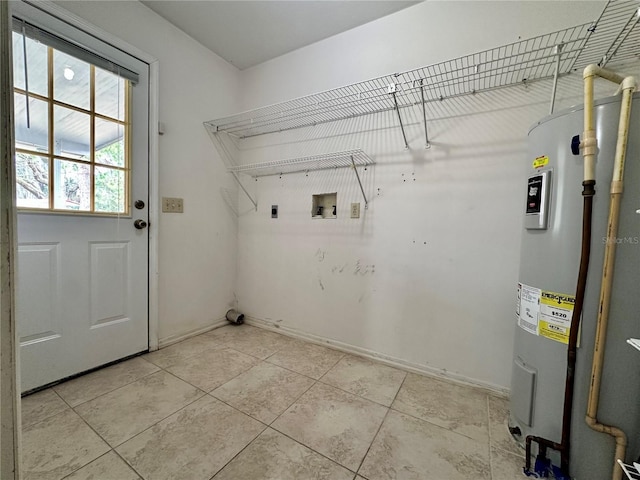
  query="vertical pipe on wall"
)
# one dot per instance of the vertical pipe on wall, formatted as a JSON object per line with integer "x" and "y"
{"x": 9, "y": 384}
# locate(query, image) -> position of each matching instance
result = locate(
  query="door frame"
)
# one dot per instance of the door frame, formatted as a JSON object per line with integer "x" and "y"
{"x": 10, "y": 361}
{"x": 10, "y": 432}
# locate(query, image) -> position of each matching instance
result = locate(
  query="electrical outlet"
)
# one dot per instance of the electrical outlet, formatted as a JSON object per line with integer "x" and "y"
{"x": 355, "y": 210}
{"x": 172, "y": 205}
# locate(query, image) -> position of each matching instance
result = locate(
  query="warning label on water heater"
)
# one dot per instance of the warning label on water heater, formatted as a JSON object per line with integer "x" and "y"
{"x": 540, "y": 161}
{"x": 556, "y": 310}
{"x": 544, "y": 313}
{"x": 528, "y": 308}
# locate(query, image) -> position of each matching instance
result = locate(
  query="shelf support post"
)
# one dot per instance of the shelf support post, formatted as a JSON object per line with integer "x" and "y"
{"x": 392, "y": 90}
{"x": 366, "y": 203}
{"x": 557, "y": 50}
{"x": 424, "y": 116}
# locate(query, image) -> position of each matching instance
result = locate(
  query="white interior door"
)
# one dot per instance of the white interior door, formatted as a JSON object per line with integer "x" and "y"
{"x": 82, "y": 269}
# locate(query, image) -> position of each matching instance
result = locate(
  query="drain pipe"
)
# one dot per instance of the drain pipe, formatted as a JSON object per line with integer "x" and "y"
{"x": 589, "y": 147}
{"x": 543, "y": 464}
{"x": 628, "y": 86}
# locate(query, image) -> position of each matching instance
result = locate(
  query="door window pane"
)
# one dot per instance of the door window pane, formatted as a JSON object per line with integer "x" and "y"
{"x": 36, "y": 136}
{"x": 32, "y": 181}
{"x": 71, "y": 80}
{"x": 72, "y": 187}
{"x": 110, "y": 190}
{"x": 109, "y": 94}
{"x": 109, "y": 143}
{"x": 36, "y": 65}
{"x": 72, "y": 154}
{"x": 71, "y": 133}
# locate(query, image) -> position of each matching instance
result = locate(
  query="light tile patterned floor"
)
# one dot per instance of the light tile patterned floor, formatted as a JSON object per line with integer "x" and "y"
{"x": 241, "y": 403}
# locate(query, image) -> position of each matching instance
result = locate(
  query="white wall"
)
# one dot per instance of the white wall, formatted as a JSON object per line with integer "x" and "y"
{"x": 197, "y": 250}
{"x": 427, "y": 275}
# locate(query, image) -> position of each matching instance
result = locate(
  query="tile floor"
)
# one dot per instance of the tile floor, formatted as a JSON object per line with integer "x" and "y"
{"x": 241, "y": 403}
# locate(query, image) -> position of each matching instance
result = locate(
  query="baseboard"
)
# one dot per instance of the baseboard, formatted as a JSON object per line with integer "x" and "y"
{"x": 380, "y": 357}
{"x": 165, "y": 342}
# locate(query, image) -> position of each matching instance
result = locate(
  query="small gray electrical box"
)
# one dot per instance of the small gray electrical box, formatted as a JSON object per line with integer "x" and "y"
{"x": 274, "y": 211}
{"x": 538, "y": 197}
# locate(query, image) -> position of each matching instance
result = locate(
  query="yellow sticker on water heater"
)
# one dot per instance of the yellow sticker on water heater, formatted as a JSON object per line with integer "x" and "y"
{"x": 556, "y": 310}
{"x": 540, "y": 161}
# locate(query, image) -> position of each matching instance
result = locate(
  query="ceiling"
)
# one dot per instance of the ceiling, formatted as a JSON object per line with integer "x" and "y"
{"x": 246, "y": 33}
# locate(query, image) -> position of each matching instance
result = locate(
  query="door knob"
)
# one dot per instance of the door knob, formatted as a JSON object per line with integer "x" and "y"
{"x": 140, "y": 224}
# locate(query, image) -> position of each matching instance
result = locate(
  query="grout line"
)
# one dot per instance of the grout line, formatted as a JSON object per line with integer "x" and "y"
{"x": 294, "y": 402}
{"x": 356, "y": 394}
{"x": 436, "y": 425}
{"x": 212, "y": 389}
{"x": 69, "y": 407}
{"x": 71, "y": 473}
{"x": 243, "y": 448}
{"x": 313, "y": 450}
{"x": 380, "y": 427}
{"x": 430, "y": 422}
{"x": 511, "y": 453}
{"x": 398, "y": 392}
{"x": 99, "y": 436}
{"x": 128, "y": 464}
{"x": 154, "y": 424}
{"x": 159, "y": 421}
{"x": 113, "y": 390}
{"x": 289, "y": 369}
{"x": 236, "y": 409}
{"x": 373, "y": 440}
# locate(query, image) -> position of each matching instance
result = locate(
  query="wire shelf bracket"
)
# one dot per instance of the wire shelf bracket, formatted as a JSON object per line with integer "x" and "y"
{"x": 355, "y": 170}
{"x": 556, "y": 75}
{"x": 424, "y": 115}
{"x": 391, "y": 89}
{"x": 227, "y": 159}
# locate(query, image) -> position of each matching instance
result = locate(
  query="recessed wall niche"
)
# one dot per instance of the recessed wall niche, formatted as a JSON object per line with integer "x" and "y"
{"x": 324, "y": 205}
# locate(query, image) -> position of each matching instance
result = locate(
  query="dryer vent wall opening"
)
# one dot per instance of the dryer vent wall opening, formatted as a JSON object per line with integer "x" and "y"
{"x": 236, "y": 317}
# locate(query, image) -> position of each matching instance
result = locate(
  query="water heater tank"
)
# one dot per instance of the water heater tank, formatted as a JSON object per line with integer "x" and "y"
{"x": 549, "y": 261}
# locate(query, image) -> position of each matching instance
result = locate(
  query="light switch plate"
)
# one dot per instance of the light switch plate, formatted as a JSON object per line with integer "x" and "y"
{"x": 172, "y": 205}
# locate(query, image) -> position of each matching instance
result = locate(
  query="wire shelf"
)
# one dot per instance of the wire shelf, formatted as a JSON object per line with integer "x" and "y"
{"x": 631, "y": 471}
{"x": 614, "y": 36}
{"x": 349, "y": 158}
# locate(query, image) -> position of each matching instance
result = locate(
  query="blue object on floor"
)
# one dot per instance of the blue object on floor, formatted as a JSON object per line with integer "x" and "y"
{"x": 542, "y": 466}
{"x": 558, "y": 474}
